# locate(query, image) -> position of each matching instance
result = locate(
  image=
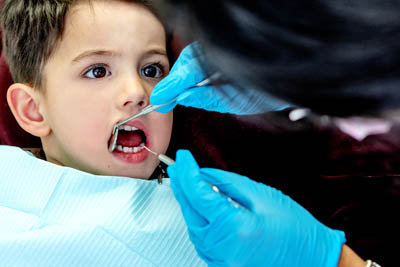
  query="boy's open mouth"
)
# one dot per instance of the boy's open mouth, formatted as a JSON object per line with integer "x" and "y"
{"x": 130, "y": 139}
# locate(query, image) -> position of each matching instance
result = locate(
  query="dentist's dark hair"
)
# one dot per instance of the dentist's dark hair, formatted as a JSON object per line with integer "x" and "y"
{"x": 337, "y": 57}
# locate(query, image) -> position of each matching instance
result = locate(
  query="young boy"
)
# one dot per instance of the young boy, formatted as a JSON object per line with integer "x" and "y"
{"x": 77, "y": 76}
{"x": 80, "y": 67}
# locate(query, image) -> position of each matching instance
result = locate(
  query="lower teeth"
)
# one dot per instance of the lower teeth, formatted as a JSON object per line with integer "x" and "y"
{"x": 130, "y": 149}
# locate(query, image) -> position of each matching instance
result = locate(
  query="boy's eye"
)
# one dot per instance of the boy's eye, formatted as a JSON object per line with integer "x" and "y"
{"x": 97, "y": 72}
{"x": 153, "y": 71}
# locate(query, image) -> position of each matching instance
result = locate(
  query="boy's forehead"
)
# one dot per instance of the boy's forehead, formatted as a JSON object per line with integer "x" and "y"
{"x": 112, "y": 23}
{"x": 95, "y": 12}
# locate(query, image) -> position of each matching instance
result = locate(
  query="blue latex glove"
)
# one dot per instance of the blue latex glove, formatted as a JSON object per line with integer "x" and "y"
{"x": 272, "y": 229}
{"x": 187, "y": 72}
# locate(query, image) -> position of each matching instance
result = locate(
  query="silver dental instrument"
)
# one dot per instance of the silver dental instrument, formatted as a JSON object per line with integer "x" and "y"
{"x": 168, "y": 161}
{"x": 150, "y": 108}
{"x": 163, "y": 158}
{"x": 146, "y": 110}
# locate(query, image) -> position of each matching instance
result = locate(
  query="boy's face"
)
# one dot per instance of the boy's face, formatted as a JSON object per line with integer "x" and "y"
{"x": 103, "y": 70}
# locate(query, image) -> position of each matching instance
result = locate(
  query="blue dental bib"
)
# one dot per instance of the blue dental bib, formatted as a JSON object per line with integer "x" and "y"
{"x": 58, "y": 216}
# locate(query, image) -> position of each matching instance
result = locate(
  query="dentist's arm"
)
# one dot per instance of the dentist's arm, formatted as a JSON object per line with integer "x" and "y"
{"x": 272, "y": 229}
{"x": 348, "y": 258}
{"x": 187, "y": 72}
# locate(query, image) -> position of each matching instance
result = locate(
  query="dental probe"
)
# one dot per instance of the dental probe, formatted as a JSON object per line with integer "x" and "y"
{"x": 150, "y": 108}
{"x": 163, "y": 158}
{"x": 168, "y": 161}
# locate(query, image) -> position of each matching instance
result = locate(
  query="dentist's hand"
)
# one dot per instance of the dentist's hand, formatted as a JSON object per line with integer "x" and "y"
{"x": 187, "y": 72}
{"x": 271, "y": 229}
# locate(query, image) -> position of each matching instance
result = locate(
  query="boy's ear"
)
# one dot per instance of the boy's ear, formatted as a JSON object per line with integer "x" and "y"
{"x": 24, "y": 104}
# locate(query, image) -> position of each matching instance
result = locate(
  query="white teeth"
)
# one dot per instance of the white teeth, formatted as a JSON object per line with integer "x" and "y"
{"x": 126, "y": 149}
{"x": 127, "y": 128}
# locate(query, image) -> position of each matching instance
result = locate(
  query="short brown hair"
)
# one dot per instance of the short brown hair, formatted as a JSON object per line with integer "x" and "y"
{"x": 31, "y": 31}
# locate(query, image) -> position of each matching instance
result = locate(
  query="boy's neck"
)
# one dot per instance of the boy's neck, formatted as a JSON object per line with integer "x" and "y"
{"x": 37, "y": 152}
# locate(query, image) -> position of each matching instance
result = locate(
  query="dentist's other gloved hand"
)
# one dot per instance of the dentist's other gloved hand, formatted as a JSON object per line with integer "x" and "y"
{"x": 187, "y": 72}
{"x": 271, "y": 229}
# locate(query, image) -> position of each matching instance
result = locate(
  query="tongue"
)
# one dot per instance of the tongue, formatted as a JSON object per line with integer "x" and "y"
{"x": 129, "y": 139}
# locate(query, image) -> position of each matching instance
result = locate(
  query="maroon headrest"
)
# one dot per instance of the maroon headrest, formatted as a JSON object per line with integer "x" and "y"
{"x": 10, "y": 132}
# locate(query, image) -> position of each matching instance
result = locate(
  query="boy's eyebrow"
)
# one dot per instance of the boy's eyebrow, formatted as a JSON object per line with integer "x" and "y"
{"x": 156, "y": 51}
{"x": 95, "y": 53}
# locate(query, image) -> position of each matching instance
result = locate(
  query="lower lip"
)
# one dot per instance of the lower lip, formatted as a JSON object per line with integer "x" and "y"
{"x": 132, "y": 158}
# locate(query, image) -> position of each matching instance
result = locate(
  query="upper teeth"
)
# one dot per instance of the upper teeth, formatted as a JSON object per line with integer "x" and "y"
{"x": 127, "y": 128}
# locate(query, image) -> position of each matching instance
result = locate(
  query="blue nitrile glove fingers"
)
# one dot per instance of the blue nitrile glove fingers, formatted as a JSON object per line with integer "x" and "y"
{"x": 187, "y": 72}
{"x": 190, "y": 169}
{"x": 273, "y": 229}
{"x": 199, "y": 225}
{"x": 187, "y": 166}
{"x": 196, "y": 223}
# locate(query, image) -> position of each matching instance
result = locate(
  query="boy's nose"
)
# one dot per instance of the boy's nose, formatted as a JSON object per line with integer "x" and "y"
{"x": 133, "y": 95}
